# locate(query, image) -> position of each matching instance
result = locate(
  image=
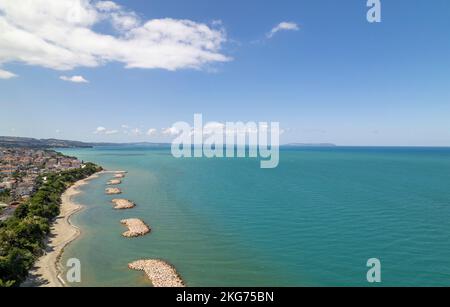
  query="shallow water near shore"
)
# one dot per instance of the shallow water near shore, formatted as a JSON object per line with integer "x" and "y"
{"x": 315, "y": 220}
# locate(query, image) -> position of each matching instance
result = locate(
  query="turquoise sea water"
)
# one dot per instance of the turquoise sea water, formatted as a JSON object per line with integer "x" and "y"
{"x": 313, "y": 221}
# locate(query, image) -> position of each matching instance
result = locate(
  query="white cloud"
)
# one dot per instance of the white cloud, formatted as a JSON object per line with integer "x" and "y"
{"x": 152, "y": 132}
{"x": 124, "y": 20}
{"x": 100, "y": 130}
{"x": 75, "y": 79}
{"x": 111, "y": 132}
{"x": 172, "y": 131}
{"x": 136, "y": 132}
{"x": 125, "y": 126}
{"x": 63, "y": 35}
{"x": 283, "y": 26}
{"x": 4, "y": 74}
{"x": 107, "y": 6}
{"x": 103, "y": 131}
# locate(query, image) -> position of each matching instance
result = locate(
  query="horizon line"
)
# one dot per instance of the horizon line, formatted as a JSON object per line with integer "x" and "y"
{"x": 292, "y": 144}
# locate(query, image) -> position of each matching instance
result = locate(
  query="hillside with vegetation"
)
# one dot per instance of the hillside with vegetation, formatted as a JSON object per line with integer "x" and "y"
{"x": 11, "y": 141}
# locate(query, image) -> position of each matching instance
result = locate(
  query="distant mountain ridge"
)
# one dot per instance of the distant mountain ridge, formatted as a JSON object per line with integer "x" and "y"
{"x": 12, "y": 141}
{"x": 310, "y": 145}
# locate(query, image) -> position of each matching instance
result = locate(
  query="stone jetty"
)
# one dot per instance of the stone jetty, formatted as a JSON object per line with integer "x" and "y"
{"x": 160, "y": 273}
{"x": 122, "y": 204}
{"x": 113, "y": 191}
{"x": 114, "y": 182}
{"x": 136, "y": 228}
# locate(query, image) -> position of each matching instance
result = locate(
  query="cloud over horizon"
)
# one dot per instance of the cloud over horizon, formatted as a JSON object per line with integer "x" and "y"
{"x": 152, "y": 132}
{"x": 62, "y": 35}
{"x": 103, "y": 131}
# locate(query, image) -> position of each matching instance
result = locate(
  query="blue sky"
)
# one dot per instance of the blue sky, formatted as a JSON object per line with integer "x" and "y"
{"x": 336, "y": 79}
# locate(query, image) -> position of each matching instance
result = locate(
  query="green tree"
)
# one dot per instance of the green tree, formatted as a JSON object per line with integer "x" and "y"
{"x": 22, "y": 236}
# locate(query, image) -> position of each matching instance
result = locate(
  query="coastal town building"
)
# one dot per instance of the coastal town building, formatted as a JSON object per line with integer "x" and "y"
{"x": 21, "y": 167}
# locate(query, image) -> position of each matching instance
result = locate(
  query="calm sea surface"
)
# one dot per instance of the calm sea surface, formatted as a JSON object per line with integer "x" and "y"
{"x": 315, "y": 220}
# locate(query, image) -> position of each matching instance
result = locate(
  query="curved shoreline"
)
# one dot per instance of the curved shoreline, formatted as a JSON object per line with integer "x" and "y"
{"x": 47, "y": 269}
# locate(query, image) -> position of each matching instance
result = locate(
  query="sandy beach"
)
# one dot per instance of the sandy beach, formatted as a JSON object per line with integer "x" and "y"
{"x": 46, "y": 270}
